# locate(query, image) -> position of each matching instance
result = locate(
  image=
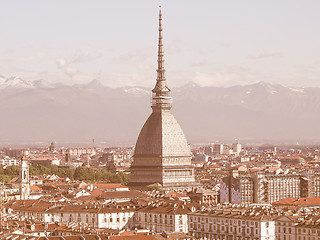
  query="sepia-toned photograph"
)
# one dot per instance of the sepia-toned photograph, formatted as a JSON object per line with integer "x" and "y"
{"x": 154, "y": 120}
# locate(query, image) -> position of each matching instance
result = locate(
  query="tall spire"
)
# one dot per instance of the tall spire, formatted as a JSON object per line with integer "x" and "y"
{"x": 161, "y": 93}
{"x": 160, "y": 69}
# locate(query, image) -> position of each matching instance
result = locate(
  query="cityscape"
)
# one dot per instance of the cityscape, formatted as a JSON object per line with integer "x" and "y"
{"x": 229, "y": 162}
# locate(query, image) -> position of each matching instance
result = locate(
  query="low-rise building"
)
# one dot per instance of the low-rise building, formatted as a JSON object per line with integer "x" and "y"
{"x": 233, "y": 223}
{"x": 165, "y": 216}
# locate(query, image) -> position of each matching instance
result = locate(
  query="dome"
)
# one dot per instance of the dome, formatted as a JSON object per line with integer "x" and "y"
{"x": 162, "y": 135}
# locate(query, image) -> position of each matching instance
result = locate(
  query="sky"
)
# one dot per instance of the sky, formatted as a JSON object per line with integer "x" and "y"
{"x": 208, "y": 42}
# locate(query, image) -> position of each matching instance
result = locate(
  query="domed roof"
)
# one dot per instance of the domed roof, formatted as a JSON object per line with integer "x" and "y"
{"x": 162, "y": 135}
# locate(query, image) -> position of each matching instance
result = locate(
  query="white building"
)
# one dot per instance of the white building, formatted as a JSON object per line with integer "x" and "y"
{"x": 7, "y": 161}
{"x": 236, "y": 147}
{"x": 232, "y": 223}
{"x": 99, "y": 216}
{"x": 111, "y": 216}
{"x": 78, "y": 151}
{"x": 164, "y": 217}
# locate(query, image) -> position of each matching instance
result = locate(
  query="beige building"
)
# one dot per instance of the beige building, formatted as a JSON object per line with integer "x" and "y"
{"x": 111, "y": 216}
{"x": 78, "y": 151}
{"x": 260, "y": 187}
{"x": 162, "y": 154}
{"x": 293, "y": 228}
{"x": 270, "y": 188}
{"x": 164, "y": 217}
{"x": 233, "y": 224}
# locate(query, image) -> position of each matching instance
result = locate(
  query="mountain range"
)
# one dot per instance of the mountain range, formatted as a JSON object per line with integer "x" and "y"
{"x": 41, "y": 111}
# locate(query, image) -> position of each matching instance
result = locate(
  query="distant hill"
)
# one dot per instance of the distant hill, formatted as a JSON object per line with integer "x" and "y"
{"x": 41, "y": 111}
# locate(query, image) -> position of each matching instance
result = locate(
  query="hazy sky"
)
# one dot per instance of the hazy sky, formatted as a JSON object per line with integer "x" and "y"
{"x": 210, "y": 42}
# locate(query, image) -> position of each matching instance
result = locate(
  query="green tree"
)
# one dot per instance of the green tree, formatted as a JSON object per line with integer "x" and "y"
{"x": 82, "y": 173}
{"x": 12, "y": 171}
{"x": 39, "y": 170}
{"x": 4, "y": 178}
{"x": 100, "y": 175}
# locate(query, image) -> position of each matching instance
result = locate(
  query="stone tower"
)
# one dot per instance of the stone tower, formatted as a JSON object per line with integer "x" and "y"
{"x": 24, "y": 178}
{"x": 162, "y": 154}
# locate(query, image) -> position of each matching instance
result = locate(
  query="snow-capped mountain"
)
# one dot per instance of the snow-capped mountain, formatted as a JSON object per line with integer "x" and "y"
{"x": 43, "y": 111}
{"x": 14, "y": 82}
{"x": 17, "y": 82}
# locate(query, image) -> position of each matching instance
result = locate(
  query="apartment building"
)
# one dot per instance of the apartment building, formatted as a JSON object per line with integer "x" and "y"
{"x": 260, "y": 187}
{"x": 233, "y": 223}
{"x": 165, "y": 216}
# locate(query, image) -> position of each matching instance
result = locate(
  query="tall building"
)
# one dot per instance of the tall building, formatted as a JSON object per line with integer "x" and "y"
{"x": 218, "y": 148}
{"x": 270, "y": 188}
{"x": 162, "y": 154}
{"x": 310, "y": 183}
{"x": 52, "y": 147}
{"x": 236, "y": 147}
{"x": 24, "y": 178}
{"x": 237, "y": 188}
{"x": 260, "y": 187}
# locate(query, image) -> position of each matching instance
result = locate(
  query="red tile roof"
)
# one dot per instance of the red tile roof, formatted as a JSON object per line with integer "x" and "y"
{"x": 299, "y": 201}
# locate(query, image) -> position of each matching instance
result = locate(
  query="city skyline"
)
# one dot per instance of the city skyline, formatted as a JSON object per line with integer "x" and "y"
{"x": 211, "y": 44}
{"x": 212, "y": 160}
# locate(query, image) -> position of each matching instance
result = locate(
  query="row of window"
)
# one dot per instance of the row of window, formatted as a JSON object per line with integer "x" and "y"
{"x": 218, "y": 220}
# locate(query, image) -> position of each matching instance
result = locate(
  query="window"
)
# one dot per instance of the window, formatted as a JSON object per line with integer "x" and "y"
{"x": 180, "y": 219}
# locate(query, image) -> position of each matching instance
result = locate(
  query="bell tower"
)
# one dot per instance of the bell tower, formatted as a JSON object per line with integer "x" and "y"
{"x": 24, "y": 178}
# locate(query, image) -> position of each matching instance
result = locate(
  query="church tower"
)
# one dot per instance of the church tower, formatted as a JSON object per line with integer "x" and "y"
{"x": 24, "y": 178}
{"x": 162, "y": 154}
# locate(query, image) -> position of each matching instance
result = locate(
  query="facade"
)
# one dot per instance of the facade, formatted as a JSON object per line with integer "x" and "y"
{"x": 289, "y": 228}
{"x": 311, "y": 183}
{"x": 218, "y": 148}
{"x": 164, "y": 217}
{"x": 270, "y": 188}
{"x": 112, "y": 216}
{"x": 7, "y": 161}
{"x": 260, "y": 187}
{"x": 236, "y": 147}
{"x": 78, "y": 151}
{"x": 204, "y": 196}
{"x": 232, "y": 224}
{"x": 157, "y": 216}
{"x": 222, "y": 221}
{"x": 99, "y": 216}
{"x": 162, "y": 154}
{"x": 237, "y": 189}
